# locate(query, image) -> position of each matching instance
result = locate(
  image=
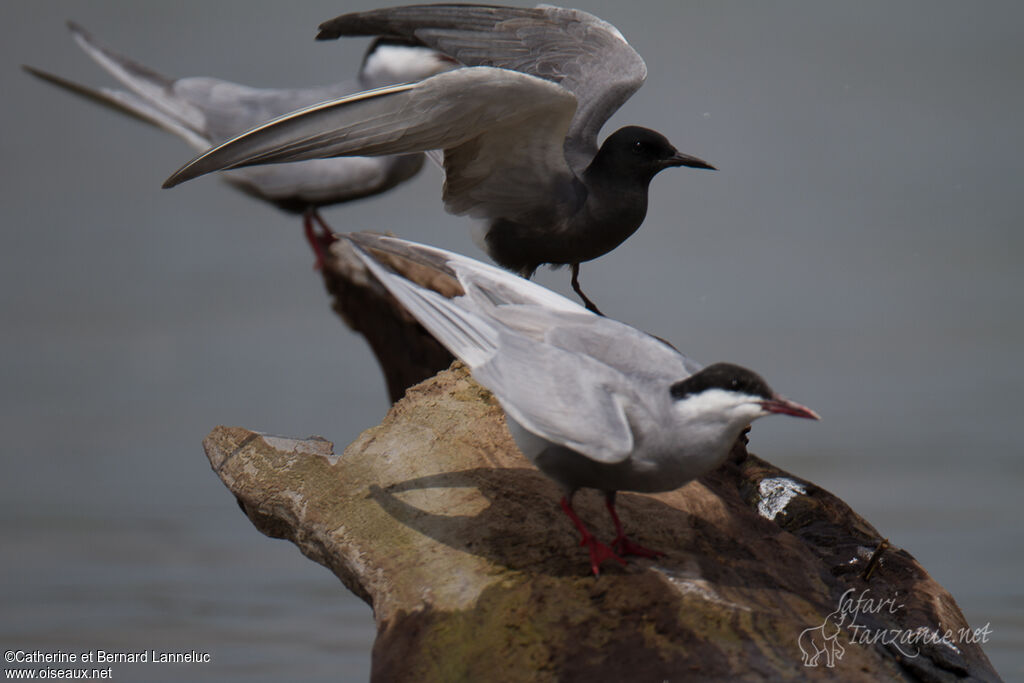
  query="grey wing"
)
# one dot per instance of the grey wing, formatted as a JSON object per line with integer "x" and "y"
{"x": 468, "y": 336}
{"x": 486, "y": 285}
{"x": 228, "y": 109}
{"x": 513, "y": 123}
{"x": 636, "y": 354}
{"x": 149, "y": 95}
{"x": 536, "y": 312}
{"x": 210, "y": 107}
{"x": 317, "y": 182}
{"x": 586, "y": 55}
{"x": 563, "y": 397}
{"x": 203, "y": 111}
{"x": 320, "y": 182}
{"x": 129, "y": 104}
{"x": 146, "y": 84}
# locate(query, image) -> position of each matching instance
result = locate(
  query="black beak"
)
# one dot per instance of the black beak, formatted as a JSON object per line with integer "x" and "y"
{"x": 680, "y": 159}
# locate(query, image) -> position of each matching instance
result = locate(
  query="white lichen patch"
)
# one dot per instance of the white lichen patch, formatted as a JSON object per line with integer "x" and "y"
{"x": 689, "y": 583}
{"x": 774, "y": 494}
{"x": 864, "y": 554}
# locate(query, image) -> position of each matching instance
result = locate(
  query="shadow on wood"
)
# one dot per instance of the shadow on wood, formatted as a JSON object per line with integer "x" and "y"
{"x": 436, "y": 520}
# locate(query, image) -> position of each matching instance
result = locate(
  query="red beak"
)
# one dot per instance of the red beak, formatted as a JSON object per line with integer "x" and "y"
{"x": 777, "y": 404}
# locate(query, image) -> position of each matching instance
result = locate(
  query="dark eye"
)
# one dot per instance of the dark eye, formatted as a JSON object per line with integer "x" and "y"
{"x": 639, "y": 146}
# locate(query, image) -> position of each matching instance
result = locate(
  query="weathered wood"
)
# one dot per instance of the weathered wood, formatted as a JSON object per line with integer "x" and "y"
{"x": 436, "y": 520}
{"x": 406, "y": 352}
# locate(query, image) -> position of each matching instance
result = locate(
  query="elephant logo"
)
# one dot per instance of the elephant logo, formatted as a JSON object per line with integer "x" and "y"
{"x": 823, "y": 640}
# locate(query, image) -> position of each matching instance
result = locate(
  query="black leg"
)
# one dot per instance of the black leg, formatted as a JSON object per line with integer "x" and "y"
{"x": 576, "y": 288}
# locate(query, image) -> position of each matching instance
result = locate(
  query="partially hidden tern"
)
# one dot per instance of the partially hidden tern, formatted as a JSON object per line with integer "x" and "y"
{"x": 205, "y": 111}
{"x": 518, "y": 126}
{"x": 590, "y": 401}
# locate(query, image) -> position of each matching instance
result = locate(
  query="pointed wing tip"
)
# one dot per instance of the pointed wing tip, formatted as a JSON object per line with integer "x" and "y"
{"x": 50, "y": 78}
{"x": 78, "y": 32}
{"x": 184, "y": 173}
{"x": 199, "y": 166}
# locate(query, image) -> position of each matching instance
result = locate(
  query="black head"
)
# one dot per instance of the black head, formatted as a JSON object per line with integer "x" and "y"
{"x": 725, "y": 376}
{"x": 645, "y": 150}
{"x": 750, "y": 396}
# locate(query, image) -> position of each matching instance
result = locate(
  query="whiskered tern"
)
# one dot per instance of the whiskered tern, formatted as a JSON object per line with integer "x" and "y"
{"x": 590, "y": 401}
{"x": 205, "y": 111}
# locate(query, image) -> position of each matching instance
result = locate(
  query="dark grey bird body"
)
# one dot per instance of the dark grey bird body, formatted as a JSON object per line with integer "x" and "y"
{"x": 595, "y": 213}
{"x": 518, "y": 126}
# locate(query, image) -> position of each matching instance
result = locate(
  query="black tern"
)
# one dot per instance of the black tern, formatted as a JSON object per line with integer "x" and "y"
{"x": 518, "y": 127}
{"x": 205, "y": 111}
{"x": 592, "y": 402}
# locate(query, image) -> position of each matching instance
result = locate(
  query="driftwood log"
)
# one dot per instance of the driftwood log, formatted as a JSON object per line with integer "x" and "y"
{"x": 435, "y": 519}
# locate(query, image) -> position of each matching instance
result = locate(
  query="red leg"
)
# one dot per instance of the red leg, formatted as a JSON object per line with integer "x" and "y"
{"x": 622, "y": 544}
{"x": 320, "y": 242}
{"x": 327, "y": 235}
{"x": 599, "y": 552}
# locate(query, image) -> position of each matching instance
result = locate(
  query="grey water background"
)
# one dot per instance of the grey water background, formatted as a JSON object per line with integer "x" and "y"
{"x": 860, "y": 247}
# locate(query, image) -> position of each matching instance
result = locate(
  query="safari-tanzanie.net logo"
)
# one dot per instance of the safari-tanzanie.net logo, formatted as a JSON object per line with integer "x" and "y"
{"x": 826, "y": 643}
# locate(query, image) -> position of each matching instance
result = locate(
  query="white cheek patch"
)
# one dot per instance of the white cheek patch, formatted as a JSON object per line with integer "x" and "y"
{"x": 718, "y": 405}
